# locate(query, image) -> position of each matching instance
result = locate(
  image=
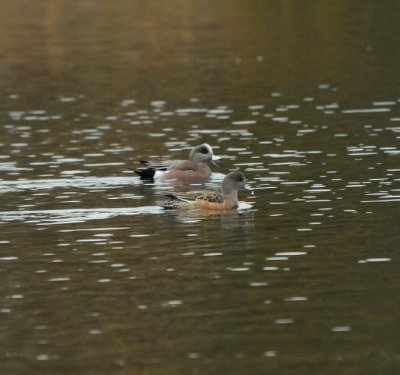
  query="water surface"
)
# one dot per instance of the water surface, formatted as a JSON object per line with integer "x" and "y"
{"x": 302, "y": 278}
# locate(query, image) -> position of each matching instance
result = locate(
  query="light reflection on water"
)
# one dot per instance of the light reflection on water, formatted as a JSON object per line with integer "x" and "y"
{"x": 279, "y": 250}
{"x": 73, "y": 215}
{"x": 98, "y": 278}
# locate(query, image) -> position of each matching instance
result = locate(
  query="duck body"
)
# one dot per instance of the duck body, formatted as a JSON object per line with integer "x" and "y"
{"x": 195, "y": 169}
{"x": 225, "y": 199}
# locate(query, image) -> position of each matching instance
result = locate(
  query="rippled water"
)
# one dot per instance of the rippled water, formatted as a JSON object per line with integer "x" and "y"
{"x": 99, "y": 279}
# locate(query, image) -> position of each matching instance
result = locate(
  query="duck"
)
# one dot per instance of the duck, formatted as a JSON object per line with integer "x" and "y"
{"x": 194, "y": 169}
{"x": 224, "y": 199}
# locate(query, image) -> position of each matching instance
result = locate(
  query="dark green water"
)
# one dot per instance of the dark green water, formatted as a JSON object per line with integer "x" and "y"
{"x": 302, "y": 96}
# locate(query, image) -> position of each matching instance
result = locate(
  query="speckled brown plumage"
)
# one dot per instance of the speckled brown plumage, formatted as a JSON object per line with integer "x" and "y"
{"x": 225, "y": 199}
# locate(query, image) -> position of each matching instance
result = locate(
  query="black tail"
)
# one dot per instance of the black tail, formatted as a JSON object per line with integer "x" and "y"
{"x": 146, "y": 174}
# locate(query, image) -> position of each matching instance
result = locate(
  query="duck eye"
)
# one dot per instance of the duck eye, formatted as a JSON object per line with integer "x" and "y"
{"x": 203, "y": 150}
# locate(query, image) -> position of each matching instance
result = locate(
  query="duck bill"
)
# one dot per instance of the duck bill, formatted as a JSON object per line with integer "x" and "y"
{"x": 214, "y": 159}
{"x": 249, "y": 188}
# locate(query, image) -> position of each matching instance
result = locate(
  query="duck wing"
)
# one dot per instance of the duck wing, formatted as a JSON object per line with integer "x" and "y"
{"x": 191, "y": 196}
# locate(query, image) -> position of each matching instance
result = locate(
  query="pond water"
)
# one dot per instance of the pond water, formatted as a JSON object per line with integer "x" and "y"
{"x": 303, "y": 97}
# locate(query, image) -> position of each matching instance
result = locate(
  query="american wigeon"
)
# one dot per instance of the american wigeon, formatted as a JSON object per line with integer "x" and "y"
{"x": 193, "y": 170}
{"x": 225, "y": 199}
